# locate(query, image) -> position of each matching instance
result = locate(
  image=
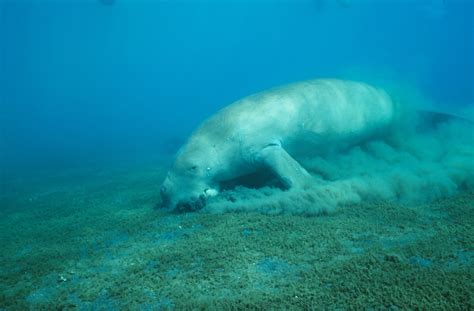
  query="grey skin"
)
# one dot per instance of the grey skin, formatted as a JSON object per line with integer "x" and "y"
{"x": 267, "y": 131}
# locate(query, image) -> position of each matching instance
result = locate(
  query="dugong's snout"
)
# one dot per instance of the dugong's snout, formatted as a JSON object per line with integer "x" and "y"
{"x": 165, "y": 198}
{"x": 183, "y": 199}
{"x": 192, "y": 204}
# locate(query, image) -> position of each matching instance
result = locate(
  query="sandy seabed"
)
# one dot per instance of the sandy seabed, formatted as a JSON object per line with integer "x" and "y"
{"x": 89, "y": 239}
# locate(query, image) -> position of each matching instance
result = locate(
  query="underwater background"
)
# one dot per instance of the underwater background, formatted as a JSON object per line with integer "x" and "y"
{"x": 96, "y": 96}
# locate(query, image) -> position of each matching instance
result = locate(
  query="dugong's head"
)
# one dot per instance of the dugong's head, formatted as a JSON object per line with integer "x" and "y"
{"x": 190, "y": 181}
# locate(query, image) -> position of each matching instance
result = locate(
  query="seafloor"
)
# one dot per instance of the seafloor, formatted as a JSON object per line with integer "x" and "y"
{"x": 89, "y": 239}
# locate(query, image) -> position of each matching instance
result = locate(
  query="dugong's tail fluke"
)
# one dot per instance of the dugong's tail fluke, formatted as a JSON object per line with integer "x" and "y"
{"x": 428, "y": 120}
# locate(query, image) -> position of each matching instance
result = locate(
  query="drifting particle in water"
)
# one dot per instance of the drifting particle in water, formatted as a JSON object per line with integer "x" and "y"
{"x": 107, "y": 2}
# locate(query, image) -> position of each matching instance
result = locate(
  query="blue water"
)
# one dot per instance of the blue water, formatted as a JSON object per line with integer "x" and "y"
{"x": 101, "y": 81}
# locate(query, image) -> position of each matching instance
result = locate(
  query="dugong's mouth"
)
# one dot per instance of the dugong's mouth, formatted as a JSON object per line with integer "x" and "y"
{"x": 191, "y": 205}
{"x": 189, "y": 202}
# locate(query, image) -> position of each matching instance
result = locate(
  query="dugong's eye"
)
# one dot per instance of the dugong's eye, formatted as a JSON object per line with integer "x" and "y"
{"x": 193, "y": 168}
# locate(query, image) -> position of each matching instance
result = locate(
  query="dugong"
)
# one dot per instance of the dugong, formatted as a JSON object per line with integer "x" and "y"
{"x": 269, "y": 131}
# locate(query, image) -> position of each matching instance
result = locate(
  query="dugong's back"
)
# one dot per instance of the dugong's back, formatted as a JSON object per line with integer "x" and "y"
{"x": 325, "y": 107}
{"x": 345, "y": 107}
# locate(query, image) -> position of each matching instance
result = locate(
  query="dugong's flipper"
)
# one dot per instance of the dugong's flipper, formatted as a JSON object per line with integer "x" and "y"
{"x": 287, "y": 169}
